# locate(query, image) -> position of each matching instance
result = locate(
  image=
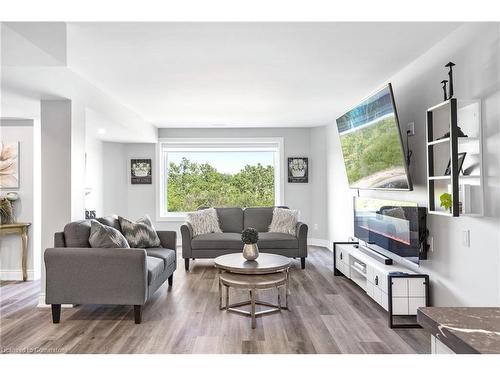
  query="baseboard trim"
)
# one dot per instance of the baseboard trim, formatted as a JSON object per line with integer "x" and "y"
{"x": 320, "y": 242}
{"x": 16, "y": 275}
{"x": 43, "y": 305}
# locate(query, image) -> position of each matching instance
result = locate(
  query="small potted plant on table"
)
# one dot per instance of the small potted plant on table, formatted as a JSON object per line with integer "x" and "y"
{"x": 250, "y": 236}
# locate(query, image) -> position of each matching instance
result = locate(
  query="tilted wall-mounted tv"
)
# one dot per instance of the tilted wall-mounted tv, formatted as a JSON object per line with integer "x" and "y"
{"x": 372, "y": 146}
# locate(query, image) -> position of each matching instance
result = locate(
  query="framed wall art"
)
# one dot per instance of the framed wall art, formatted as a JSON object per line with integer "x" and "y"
{"x": 140, "y": 171}
{"x": 9, "y": 165}
{"x": 298, "y": 170}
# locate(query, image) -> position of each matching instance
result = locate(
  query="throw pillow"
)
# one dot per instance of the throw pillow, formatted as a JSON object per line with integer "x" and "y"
{"x": 284, "y": 221}
{"x": 139, "y": 234}
{"x": 204, "y": 221}
{"x": 105, "y": 236}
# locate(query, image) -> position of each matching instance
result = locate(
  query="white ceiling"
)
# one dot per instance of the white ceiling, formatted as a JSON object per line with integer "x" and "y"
{"x": 245, "y": 74}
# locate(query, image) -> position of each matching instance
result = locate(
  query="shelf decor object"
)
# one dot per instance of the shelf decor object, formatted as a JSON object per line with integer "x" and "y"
{"x": 453, "y": 132}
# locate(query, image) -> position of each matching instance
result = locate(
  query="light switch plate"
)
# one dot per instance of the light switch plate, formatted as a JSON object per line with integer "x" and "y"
{"x": 466, "y": 238}
{"x": 411, "y": 128}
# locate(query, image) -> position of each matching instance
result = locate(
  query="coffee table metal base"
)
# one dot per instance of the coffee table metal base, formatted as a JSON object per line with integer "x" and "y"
{"x": 276, "y": 281}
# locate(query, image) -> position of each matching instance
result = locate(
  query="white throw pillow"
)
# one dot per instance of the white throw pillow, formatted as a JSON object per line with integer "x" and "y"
{"x": 204, "y": 221}
{"x": 284, "y": 221}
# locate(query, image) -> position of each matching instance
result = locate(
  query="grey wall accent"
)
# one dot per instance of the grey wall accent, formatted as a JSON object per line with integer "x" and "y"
{"x": 459, "y": 275}
{"x": 56, "y": 170}
{"x": 135, "y": 200}
{"x": 296, "y": 143}
{"x": 318, "y": 180}
{"x": 21, "y": 130}
{"x": 114, "y": 181}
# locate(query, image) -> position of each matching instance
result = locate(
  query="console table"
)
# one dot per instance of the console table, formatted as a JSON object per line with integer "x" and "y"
{"x": 22, "y": 230}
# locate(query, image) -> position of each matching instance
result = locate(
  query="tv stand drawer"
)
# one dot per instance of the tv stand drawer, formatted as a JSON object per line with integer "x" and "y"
{"x": 377, "y": 278}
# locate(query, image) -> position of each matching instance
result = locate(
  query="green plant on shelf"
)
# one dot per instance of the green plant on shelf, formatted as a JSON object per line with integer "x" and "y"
{"x": 446, "y": 201}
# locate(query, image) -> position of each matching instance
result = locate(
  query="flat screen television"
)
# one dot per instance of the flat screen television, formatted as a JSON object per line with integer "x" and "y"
{"x": 372, "y": 146}
{"x": 392, "y": 227}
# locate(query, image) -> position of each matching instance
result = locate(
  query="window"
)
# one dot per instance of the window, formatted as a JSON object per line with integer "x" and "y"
{"x": 219, "y": 173}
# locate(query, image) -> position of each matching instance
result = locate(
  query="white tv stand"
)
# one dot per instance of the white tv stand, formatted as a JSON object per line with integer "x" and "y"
{"x": 400, "y": 294}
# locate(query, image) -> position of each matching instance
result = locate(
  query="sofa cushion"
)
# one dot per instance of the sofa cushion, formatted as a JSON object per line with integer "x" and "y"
{"x": 258, "y": 218}
{"x": 155, "y": 267}
{"x": 230, "y": 219}
{"x": 204, "y": 221}
{"x": 271, "y": 240}
{"x": 217, "y": 241}
{"x": 167, "y": 255}
{"x": 284, "y": 220}
{"x": 105, "y": 236}
{"x": 110, "y": 221}
{"x": 77, "y": 233}
{"x": 140, "y": 234}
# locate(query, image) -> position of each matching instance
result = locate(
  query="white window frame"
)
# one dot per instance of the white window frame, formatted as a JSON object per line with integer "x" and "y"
{"x": 274, "y": 144}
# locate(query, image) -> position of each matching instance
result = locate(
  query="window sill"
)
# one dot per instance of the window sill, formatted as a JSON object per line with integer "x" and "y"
{"x": 174, "y": 218}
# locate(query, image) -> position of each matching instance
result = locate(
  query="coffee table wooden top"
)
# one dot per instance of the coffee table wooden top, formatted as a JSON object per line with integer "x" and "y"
{"x": 265, "y": 263}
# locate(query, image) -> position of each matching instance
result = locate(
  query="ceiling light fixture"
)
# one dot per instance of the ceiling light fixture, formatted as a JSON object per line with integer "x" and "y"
{"x": 101, "y": 131}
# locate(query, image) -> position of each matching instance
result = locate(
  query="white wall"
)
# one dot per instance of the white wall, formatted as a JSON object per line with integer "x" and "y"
{"x": 94, "y": 175}
{"x": 121, "y": 197}
{"x": 12, "y": 130}
{"x": 459, "y": 275}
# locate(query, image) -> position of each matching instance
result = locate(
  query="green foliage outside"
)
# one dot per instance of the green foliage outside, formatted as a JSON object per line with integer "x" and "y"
{"x": 192, "y": 185}
{"x": 372, "y": 149}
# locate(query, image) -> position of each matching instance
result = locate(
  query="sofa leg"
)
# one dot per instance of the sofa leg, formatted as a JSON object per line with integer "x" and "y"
{"x": 171, "y": 280}
{"x": 56, "y": 313}
{"x": 302, "y": 263}
{"x": 137, "y": 314}
{"x": 186, "y": 264}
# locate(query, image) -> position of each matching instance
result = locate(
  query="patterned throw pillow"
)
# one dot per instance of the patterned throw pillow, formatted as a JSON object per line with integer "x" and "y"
{"x": 204, "y": 221}
{"x": 284, "y": 221}
{"x": 104, "y": 236}
{"x": 140, "y": 234}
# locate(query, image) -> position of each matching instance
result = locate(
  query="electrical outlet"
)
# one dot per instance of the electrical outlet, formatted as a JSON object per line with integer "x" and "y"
{"x": 466, "y": 238}
{"x": 411, "y": 128}
{"x": 431, "y": 244}
{"x": 315, "y": 226}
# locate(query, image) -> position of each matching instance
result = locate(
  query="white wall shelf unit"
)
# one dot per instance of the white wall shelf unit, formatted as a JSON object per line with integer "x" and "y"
{"x": 397, "y": 289}
{"x": 444, "y": 146}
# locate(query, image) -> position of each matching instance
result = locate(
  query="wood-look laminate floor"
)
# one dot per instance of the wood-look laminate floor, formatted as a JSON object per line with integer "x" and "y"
{"x": 327, "y": 315}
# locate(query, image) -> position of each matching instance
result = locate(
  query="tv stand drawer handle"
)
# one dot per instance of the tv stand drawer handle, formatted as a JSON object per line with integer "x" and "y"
{"x": 340, "y": 255}
{"x": 376, "y": 280}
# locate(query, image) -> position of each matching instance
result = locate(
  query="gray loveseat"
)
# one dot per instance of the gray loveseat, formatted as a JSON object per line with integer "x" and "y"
{"x": 232, "y": 221}
{"x": 79, "y": 274}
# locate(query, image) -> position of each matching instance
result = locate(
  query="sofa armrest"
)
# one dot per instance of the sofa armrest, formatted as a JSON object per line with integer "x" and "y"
{"x": 301, "y": 233}
{"x": 187, "y": 236}
{"x": 168, "y": 239}
{"x": 96, "y": 276}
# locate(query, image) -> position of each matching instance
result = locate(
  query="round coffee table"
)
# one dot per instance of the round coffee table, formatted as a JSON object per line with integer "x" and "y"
{"x": 268, "y": 271}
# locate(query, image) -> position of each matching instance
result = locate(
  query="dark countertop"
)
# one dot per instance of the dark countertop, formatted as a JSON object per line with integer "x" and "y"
{"x": 464, "y": 329}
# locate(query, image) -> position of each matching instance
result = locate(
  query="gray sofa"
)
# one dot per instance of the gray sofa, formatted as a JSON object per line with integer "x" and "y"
{"x": 232, "y": 221}
{"x": 79, "y": 274}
